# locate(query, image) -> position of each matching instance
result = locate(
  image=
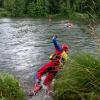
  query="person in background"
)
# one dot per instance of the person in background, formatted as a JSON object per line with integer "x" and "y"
{"x": 69, "y": 24}
{"x": 54, "y": 65}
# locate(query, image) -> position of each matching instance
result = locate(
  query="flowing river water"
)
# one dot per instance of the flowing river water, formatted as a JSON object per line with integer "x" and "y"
{"x": 25, "y": 44}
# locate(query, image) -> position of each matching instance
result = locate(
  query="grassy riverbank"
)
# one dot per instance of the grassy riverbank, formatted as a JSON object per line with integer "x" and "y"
{"x": 74, "y": 15}
{"x": 80, "y": 79}
{"x": 69, "y": 9}
{"x": 9, "y": 88}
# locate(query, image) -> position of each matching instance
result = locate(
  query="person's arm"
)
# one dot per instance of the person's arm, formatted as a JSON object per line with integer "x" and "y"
{"x": 56, "y": 44}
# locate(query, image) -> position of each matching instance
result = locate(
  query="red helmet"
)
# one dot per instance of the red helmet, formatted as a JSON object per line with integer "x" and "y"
{"x": 64, "y": 47}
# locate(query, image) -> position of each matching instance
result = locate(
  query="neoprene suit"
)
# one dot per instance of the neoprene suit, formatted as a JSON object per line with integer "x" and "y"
{"x": 49, "y": 67}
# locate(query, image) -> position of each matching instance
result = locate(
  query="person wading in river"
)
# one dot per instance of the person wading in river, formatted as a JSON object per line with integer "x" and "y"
{"x": 57, "y": 60}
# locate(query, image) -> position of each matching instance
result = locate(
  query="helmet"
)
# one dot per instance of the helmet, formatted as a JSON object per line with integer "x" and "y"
{"x": 64, "y": 47}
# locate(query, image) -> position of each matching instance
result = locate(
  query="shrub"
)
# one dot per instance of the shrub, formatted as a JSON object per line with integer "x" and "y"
{"x": 79, "y": 16}
{"x": 9, "y": 88}
{"x": 37, "y": 9}
{"x": 80, "y": 79}
{"x": 4, "y": 13}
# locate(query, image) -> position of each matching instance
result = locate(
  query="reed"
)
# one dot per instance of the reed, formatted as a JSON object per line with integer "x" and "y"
{"x": 80, "y": 79}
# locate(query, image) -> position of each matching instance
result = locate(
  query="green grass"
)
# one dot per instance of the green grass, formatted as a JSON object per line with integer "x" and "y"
{"x": 9, "y": 88}
{"x": 80, "y": 79}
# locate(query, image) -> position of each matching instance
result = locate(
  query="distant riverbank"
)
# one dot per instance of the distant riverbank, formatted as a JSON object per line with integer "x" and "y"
{"x": 75, "y": 16}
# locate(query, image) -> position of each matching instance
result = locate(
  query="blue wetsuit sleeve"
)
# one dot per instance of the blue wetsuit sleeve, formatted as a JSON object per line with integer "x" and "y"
{"x": 56, "y": 44}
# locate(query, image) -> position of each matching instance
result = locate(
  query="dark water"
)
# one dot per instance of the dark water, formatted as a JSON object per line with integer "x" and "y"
{"x": 25, "y": 44}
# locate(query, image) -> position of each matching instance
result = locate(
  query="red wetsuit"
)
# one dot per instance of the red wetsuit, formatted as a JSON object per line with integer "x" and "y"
{"x": 50, "y": 68}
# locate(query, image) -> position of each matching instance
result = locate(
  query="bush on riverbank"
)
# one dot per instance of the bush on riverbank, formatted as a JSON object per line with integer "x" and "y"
{"x": 9, "y": 88}
{"x": 4, "y": 13}
{"x": 80, "y": 79}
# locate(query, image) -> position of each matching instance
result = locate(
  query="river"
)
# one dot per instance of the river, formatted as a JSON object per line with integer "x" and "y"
{"x": 25, "y": 44}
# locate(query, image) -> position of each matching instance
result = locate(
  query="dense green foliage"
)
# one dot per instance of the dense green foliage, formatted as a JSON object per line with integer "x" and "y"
{"x": 37, "y": 8}
{"x": 15, "y": 7}
{"x": 4, "y": 12}
{"x": 80, "y": 79}
{"x": 9, "y": 88}
{"x": 50, "y": 7}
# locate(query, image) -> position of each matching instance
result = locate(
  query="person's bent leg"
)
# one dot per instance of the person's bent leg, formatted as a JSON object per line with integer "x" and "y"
{"x": 44, "y": 69}
{"x": 48, "y": 81}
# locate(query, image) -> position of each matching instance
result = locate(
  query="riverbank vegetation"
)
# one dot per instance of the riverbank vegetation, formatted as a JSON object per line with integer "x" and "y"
{"x": 80, "y": 79}
{"x": 33, "y": 8}
{"x": 9, "y": 88}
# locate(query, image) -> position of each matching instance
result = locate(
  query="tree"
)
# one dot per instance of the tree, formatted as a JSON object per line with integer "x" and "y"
{"x": 53, "y": 6}
{"x": 37, "y": 8}
{"x": 1, "y": 3}
{"x": 9, "y": 4}
{"x": 19, "y": 7}
{"x": 75, "y": 4}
